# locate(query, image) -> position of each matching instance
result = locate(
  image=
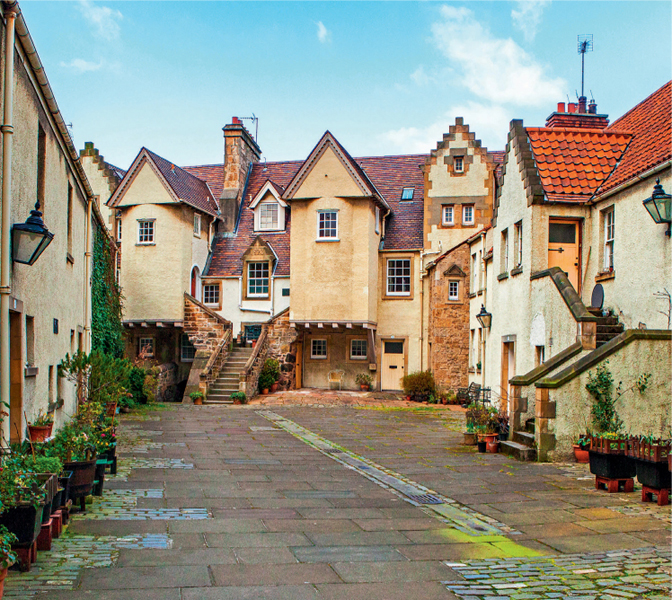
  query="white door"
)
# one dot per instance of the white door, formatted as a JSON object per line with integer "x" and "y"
{"x": 392, "y": 365}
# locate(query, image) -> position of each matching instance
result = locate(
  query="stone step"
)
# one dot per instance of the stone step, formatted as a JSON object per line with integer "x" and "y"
{"x": 216, "y": 402}
{"x": 615, "y": 329}
{"x": 524, "y": 437}
{"x": 518, "y": 451}
{"x": 214, "y": 398}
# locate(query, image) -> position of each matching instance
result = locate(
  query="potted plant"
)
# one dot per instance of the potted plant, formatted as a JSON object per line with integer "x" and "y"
{"x": 7, "y": 555}
{"x": 481, "y": 442}
{"x": 364, "y": 380}
{"x": 265, "y": 382}
{"x": 239, "y": 398}
{"x": 608, "y": 456}
{"x": 491, "y": 434}
{"x": 271, "y": 373}
{"x": 197, "y": 398}
{"x": 41, "y": 427}
{"x": 651, "y": 457}
{"x": 476, "y": 420}
{"x": 581, "y": 448}
{"x": 418, "y": 386}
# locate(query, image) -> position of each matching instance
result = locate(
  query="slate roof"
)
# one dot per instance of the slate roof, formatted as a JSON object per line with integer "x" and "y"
{"x": 212, "y": 174}
{"x": 187, "y": 187}
{"x": 651, "y": 126}
{"x": 573, "y": 163}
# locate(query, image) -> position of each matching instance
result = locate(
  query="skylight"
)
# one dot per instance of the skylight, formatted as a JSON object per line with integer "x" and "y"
{"x": 407, "y": 193}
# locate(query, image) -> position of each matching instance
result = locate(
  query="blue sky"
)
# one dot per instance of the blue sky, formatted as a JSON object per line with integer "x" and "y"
{"x": 383, "y": 77}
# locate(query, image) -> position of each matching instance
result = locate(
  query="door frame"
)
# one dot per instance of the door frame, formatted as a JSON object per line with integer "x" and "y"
{"x": 388, "y": 338}
{"x": 578, "y": 221}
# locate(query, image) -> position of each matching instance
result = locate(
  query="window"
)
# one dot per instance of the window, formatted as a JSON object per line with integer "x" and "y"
{"x": 285, "y": 291}
{"x": 118, "y": 229}
{"x": 377, "y": 220}
{"x": 145, "y": 232}
{"x": 197, "y": 225}
{"x": 609, "y": 224}
{"x": 468, "y": 215}
{"x": 30, "y": 340}
{"x": 146, "y": 347}
{"x": 407, "y": 193}
{"x": 518, "y": 243}
{"x": 257, "y": 279}
{"x": 538, "y": 355}
{"x": 472, "y": 344}
{"x": 479, "y": 266}
{"x": 327, "y": 225}
{"x": 399, "y": 277}
{"x": 318, "y": 349}
{"x": 358, "y": 349}
{"x": 269, "y": 216}
{"x": 474, "y": 273}
{"x": 453, "y": 290}
{"x": 504, "y": 251}
{"x": 458, "y": 164}
{"x": 448, "y": 215}
{"x": 187, "y": 349}
{"x": 211, "y": 294}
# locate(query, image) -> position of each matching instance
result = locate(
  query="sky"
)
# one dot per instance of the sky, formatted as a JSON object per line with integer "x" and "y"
{"x": 383, "y": 77}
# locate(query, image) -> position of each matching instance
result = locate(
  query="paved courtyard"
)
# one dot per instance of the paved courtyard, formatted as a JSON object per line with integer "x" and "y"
{"x": 378, "y": 500}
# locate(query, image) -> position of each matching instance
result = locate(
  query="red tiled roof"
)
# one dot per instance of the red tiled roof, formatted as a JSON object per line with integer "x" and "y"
{"x": 650, "y": 123}
{"x": 212, "y": 174}
{"x": 573, "y": 163}
{"x": 187, "y": 187}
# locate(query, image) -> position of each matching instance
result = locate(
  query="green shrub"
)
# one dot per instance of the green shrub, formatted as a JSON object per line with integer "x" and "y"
{"x": 240, "y": 397}
{"x": 136, "y": 380}
{"x": 363, "y": 379}
{"x": 44, "y": 464}
{"x": 419, "y": 385}
{"x": 196, "y": 396}
{"x": 271, "y": 369}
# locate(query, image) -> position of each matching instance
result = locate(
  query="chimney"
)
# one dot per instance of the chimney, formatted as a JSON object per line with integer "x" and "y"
{"x": 577, "y": 116}
{"x": 240, "y": 151}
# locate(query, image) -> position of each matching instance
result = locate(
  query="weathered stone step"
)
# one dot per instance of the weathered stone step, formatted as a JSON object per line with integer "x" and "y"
{"x": 524, "y": 437}
{"x": 518, "y": 451}
{"x": 610, "y": 329}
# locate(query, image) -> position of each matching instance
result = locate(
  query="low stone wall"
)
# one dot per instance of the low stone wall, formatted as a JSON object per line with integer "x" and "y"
{"x": 282, "y": 347}
{"x": 204, "y": 327}
{"x": 166, "y": 385}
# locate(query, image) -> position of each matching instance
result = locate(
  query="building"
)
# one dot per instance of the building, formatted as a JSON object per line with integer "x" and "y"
{"x": 571, "y": 268}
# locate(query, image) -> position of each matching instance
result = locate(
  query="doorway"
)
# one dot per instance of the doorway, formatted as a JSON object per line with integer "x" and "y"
{"x": 16, "y": 425}
{"x": 508, "y": 367}
{"x": 564, "y": 249}
{"x": 196, "y": 283}
{"x": 393, "y": 365}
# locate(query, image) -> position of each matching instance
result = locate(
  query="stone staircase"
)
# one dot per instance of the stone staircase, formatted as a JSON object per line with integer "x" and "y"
{"x": 607, "y": 327}
{"x": 521, "y": 446}
{"x": 229, "y": 376}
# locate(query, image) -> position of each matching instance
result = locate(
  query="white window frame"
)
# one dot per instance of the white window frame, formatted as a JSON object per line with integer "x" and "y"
{"x": 321, "y": 230}
{"x": 315, "y": 356}
{"x": 505, "y": 251}
{"x": 453, "y": 290}
{"x": 118, "y": 229}
{"x": 205, "y": 293}
{"x": 449, "y": 209}
{"x": 474, "y": 273}
{"x": 609, "y": 230}
{"x": 267, "y": 279}
{"x": 150, "y": 233}
{"x": 197, "y": 225}
{"x": 392, "y": 279}
{"x": 465, "y": 209}
{"x": 519, "y": 243}
{"x": 359, "y": 343}
{"x": 458, "y": 164}
{"x": 275, "y": 223}
{"x": 184, "y": 358}
{"x": 144, "y": 342}
{"x": 407, "y": 191}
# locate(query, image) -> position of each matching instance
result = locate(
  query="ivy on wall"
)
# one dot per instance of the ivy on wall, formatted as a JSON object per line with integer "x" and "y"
{"x": 106, "y": 309}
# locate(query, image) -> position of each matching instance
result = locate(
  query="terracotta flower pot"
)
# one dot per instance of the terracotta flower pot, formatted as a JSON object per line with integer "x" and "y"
{"x": 3, "y": 574}
{"x": 198, "y": 401}
{"x": 363, "y": 387}
{"x": 492, "y": 446}
{"x": 274, "y": 388}
{"x": 264, "y": 391}
{"x": 39, "y": 433}
{"x": 469, "y": 438}
{"x": 580, "y": 454}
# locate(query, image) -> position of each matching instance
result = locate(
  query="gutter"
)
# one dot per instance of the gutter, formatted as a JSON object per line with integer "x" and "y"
{"x": 629, "y": 182}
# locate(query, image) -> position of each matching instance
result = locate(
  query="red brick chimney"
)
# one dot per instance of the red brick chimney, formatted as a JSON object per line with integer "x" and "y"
{"x": 240, "y": 151}
{"x": 578, "y": 115}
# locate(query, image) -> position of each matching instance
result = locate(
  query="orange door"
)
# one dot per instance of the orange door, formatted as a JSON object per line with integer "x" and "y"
{"x": 564, "y": 249}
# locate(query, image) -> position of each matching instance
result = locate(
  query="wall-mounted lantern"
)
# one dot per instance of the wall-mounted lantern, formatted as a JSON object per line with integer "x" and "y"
{"x": 658, "y": 206}
{"x": 484, "y": 318}
{"x": 29, "y": 239}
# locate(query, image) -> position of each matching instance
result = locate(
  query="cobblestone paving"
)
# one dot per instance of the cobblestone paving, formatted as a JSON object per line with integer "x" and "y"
{"x": 636, "y": 574}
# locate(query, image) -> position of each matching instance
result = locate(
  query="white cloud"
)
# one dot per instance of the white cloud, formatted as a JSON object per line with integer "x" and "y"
{"x": 527, "y": 16}
{"x": 489, "y": 122}
{"x": 323, "y": 34}
{"x": 420, "y": 77}
{"x": 497, "y": 70}
{"x": 104, "y": 20}
{"x": 82, "y": 66}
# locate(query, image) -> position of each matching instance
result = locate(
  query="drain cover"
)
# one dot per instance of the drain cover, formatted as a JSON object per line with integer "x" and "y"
{"x": 426, "y": 499}
{"x": 333, "y": 451}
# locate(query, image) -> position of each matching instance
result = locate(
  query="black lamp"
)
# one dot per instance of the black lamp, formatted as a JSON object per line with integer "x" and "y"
{"x": 29, "y": 239}
{"x": 658, "y": 206}
{"x": 484, "y": 318}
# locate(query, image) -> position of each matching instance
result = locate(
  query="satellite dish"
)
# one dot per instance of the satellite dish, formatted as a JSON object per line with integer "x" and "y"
{"x": 597, "y": 299}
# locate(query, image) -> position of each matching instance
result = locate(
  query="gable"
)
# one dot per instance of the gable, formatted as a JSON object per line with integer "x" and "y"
{"x": 259, "y": 250}
{"x": 454, "y": 271}
{"x": 145, "y": 187}
{"x": 328, "y": 177}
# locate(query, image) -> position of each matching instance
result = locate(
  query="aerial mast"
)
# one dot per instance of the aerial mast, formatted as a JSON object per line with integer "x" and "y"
{"x": 585, "y": 44}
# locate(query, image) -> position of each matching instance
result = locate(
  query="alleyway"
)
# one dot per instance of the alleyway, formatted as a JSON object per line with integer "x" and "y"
{"x": 298, "y": 503}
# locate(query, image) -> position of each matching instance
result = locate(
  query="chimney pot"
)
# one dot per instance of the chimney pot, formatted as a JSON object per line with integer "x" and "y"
{"x": 592, "y": 107}
{"x": 235, "y": 121}
{"x": 561, "y": 107}
{"x": 572, "y": 107}
{"x": 582, "y": 104}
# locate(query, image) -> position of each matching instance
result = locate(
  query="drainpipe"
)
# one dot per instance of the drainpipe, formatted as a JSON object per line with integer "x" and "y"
{"x": 11, "y": 10}
{"x": 87, "y": 277}
{"x": 423, "y": 274}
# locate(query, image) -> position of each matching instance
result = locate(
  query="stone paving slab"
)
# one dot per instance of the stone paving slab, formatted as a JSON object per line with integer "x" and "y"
{"x": 426, "y": 590}
{"x": 271, "y": 574}
{"x": 330, "y": 554}
{"x": 272, "y": 592}
{"x": 175, "y": 576}
{"x": 398, "y": 571}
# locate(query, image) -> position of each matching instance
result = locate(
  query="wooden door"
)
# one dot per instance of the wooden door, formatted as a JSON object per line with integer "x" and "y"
{"x": 393, "y": 363}
{"x": 299, "y": 365}
{"x": 508, "y": 368}
{"x": 564, "y": 249}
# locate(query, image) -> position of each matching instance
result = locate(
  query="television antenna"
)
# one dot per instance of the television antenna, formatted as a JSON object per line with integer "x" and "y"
{"x": 254, "y": 120}
{"x": 585, "y": 44}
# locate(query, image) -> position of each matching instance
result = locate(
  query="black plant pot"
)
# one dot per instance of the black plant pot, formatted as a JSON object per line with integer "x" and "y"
{"x": 64, "y": 482}
{"x": 97, "y": 490}
{"x": 481, "y": 446}
{"x": 81, "y": 482}
{"x": 58, "y": 500}
{"x": 24, "y": 521}
{"x": 611, "y": 466}
{"x": 653, "y": 474}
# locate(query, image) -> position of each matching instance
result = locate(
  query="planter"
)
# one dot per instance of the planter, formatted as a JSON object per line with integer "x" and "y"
{"x": 81, "y": 482}
{"x": 39, "y": 433}
{"x": 198, "y": 401}
{"x": 481, "y": 446}
{"x": 363, "y": 387}
{"x": 57, "y": 502}
{"x": 97, "y": 489}
{"x": 469, "y": 438}
{"x": 64, "y": 482}
{"x": 653, "y": 474}
{"x": 24, "y": 521}
{"x": 581, "y": 455}
{"x": 503, "y": 436}
{"x": 111, "y": 409}
{"x": 611, "y": 466}
{"x": 274, "y": 388}
{"x": 265, "y": 391}
{"x": 492, "y": 446}
{"x": 444, "y": 400}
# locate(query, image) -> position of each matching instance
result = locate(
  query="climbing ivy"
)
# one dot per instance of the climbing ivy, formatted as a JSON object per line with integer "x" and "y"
{"x": 106, "y": 328}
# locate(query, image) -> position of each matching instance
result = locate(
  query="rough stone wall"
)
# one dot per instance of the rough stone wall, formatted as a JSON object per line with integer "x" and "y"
{"x": 204, "y": 327}
{"x": 449, "y": 320}
{"x": 166, "y": 385}
{"x": 283, "y": 348}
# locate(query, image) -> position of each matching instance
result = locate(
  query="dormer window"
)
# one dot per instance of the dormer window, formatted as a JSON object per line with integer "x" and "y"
{"x": 268, "y": 216}
{"x": 269, "y": 209}
{"x": 407, "y": 193}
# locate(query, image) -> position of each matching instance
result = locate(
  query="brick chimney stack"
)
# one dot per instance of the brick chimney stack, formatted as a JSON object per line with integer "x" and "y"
{"x": 578, "y": 115}
{"x": 240, "y": 152}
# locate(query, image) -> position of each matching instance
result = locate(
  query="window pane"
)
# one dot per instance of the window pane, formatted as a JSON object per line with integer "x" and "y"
{"x": 318, "y": 349}
{"x": 407, "y": 193}
{"x": 453, "y": 288}
{"x": 562, "y": 233}
{"x": 211, "y": 294}
{"x": 188, "y": 350}
{"x": 468, "y": 214}
{"x": 257, "y": 279}
{"x": 399, "y": 276}
{"x": 358, "y": 349}
{"x": 448, "y": 215}
{"x": 268, "y": 216}
{"x": 145, "y": 232}
{"x": 328, "y": 225}
{"x": 394, "y": 347}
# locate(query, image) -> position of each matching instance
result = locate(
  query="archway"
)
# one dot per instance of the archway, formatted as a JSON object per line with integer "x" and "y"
{"x": 196, "y": 283}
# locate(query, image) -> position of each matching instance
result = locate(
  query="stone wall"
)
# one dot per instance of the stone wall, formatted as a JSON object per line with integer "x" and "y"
{"x": 166, "y": 384}
{"x": 449, "y": 320}
{"x": 204, "y": 327}
{"x": 283, "y": 348}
